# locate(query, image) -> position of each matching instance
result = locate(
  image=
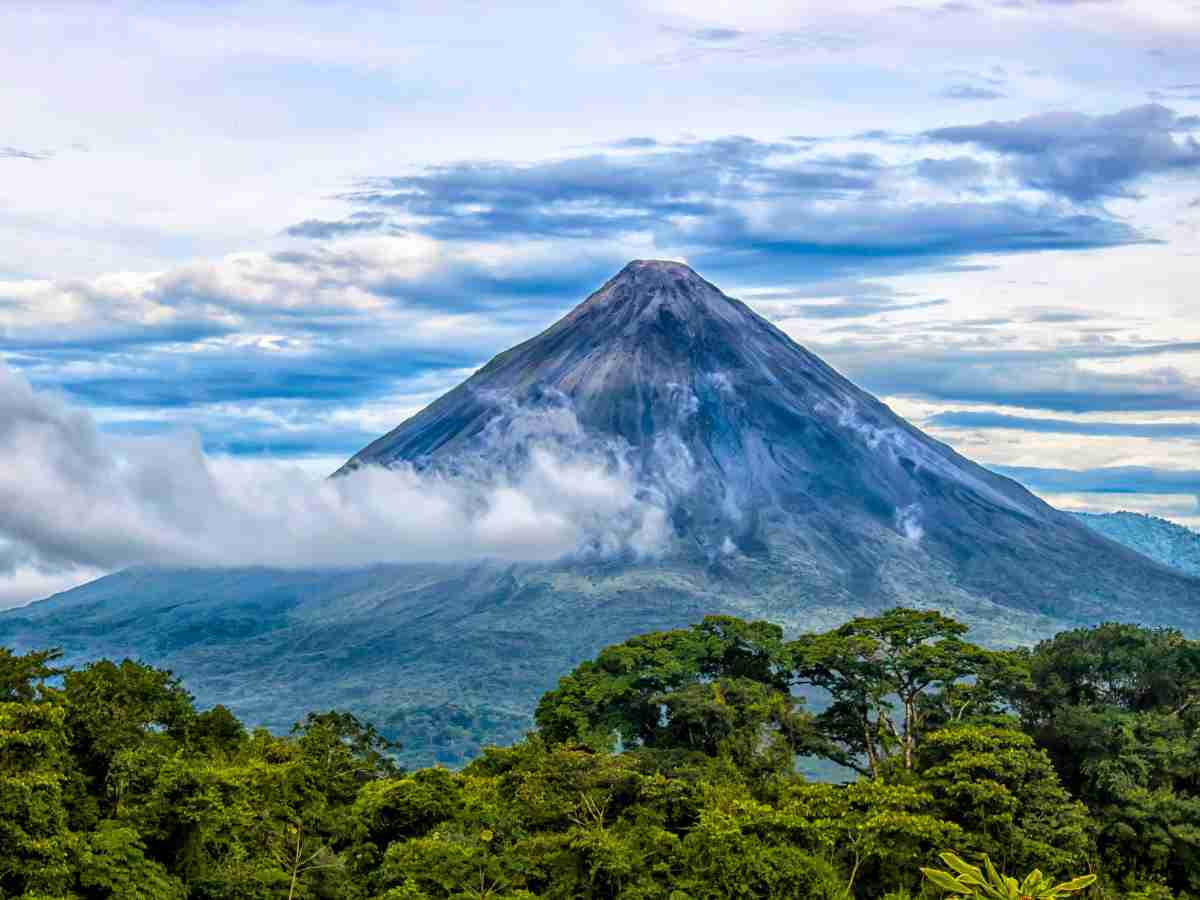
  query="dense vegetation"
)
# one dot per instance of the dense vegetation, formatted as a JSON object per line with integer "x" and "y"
{"x": 1163, "y": 541}
{"x": 664, "y": 768}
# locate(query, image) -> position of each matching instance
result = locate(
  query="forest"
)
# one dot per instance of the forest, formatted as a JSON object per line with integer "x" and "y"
{"x": 666, "y": 767}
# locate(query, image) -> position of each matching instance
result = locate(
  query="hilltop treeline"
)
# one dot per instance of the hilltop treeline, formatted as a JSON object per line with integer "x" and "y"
{"x": 664, "y": 768}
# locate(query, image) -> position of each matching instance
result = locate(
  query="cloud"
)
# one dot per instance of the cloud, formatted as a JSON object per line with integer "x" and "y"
{"x": 753, "y": 202}
{"x": 302, "y": 351}
{"x": 718, "y": 35}
{"x": 1051, "y": 379}
{"x": 72, "y": 498}
{"x": 17, "y": 153}
{"x": 1115, "y": 480}
{"x": 972, "y": 419}
{"x": 25, "y": 583}
{"x": 1189, "y": 91}
{"x": 971, "y": 92}
{"x": 323, "y": 229}
{"x": 845, "y": 309}
{"x": 1059, "y": 316}
{"x": 435, "y": 270}
{"x": 1086, "y": 158}
{"x": 953, "y": 170}
{"x": 744, "y": 46}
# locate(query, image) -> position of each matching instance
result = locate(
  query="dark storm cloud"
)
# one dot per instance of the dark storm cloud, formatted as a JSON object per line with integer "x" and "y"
{"x": 971, "y": 419}
{"x": 1086, "y": 158}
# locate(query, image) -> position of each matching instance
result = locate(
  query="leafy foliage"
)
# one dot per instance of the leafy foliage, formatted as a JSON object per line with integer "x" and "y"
{"x": 972, "y": 881}
{"x": 911, "y": 659}
{"x": 664, "y": 769}
{"x": 1117, "y": 707}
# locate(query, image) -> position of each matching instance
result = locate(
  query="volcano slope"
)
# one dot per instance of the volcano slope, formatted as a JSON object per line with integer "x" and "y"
{"x": 781, "y": 491}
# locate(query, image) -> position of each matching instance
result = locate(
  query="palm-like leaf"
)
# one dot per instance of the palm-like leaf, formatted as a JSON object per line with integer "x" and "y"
{"x": 1073, "y": 886}
{"x": 947, "y": 882}
{"x": 988, "y": 883}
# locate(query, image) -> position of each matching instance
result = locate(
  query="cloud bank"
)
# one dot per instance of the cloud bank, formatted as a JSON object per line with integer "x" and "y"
{"x": 1087, "y": 158}
{"x": 74, "y": 501}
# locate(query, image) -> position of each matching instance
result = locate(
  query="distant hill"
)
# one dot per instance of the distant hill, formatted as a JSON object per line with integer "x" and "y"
{"x": 1163, "y": 541}
{"x": 781, "y": 490}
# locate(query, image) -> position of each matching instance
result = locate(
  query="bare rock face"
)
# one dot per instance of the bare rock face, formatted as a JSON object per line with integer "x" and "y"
{"x": 789, "y": 494}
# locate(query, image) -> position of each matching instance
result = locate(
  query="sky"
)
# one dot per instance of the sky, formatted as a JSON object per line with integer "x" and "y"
{"x": 263, "y": 234}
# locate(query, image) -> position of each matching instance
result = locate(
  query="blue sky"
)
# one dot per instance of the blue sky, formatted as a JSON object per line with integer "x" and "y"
{"x": 286, "y": 226}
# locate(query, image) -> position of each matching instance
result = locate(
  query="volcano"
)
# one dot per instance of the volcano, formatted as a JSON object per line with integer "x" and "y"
{"x": 785, "y": 492}
{"x": 761, "y": 450}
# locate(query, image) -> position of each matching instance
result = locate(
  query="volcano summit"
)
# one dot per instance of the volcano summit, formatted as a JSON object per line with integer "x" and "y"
{"x": 767, "y": 486}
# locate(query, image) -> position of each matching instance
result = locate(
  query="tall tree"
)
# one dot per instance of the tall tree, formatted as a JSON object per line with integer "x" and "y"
{"x": 889, "y": 676}
{"x": 721, "y": 687}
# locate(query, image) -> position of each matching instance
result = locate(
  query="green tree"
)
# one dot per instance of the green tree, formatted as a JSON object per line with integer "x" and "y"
{"x": 113, "y": 864}
{"x": 216, "y": 730}
{"x": 36, "y": 846}
{"x": 343, "y": 752}
{"x": 1005, "y": 795}
{"x": 399, "y": 809}
{"x": 719, "y": 688}
{"x": 122, "y": 707}
{"x": 871, "y": 828}
{"x": 889, "y": 676}
{"x": 23, "y": 676}
{"x": 1117, "y": 707}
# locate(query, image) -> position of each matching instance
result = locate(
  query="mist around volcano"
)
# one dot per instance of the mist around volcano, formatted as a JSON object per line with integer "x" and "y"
{"x": 75, "y": 499}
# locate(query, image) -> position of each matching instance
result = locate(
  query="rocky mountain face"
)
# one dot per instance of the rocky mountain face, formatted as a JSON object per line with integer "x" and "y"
{"x": 761, "y": 451}
{"x": 784, "y": 491}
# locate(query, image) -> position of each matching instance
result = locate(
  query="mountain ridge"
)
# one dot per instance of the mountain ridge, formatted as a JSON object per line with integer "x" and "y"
{"x": 1169, "y": 543}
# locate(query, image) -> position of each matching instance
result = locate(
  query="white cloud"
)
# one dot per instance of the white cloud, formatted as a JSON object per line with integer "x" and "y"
{"x": 26, "y": 584}
{"x": 73, "y": 499}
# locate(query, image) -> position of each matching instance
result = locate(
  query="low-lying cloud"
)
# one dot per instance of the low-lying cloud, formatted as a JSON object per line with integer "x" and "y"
{"x": 75, "y": 500}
